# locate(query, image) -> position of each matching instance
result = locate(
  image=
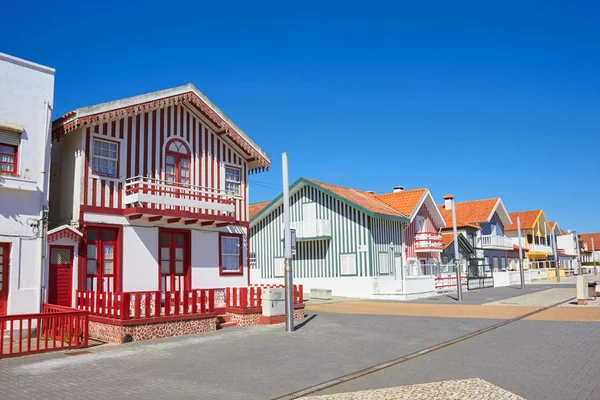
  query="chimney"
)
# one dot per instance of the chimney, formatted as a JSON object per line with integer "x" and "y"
{"x": 448, "y": 201}
{"x": 397, "y": 189}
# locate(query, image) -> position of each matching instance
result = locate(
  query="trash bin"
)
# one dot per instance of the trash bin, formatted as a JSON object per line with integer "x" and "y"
{"x": 592, "y": 290}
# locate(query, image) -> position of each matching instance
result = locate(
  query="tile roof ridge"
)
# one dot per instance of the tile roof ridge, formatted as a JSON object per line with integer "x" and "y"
{"x": 400, "y": 192}
{"x": 377, "y": 201}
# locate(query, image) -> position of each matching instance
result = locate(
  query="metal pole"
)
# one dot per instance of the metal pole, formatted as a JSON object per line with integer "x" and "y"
{"x": 456, "y": 254}
{"x": 287, "y": 242}
{"x": 578, "y": 253}
{"x": 521, "y": 270}
{"x": 594, "y": 257}
{"x": 552, "y": 237}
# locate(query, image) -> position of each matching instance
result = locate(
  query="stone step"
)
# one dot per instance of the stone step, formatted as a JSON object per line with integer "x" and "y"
{"x": 226, "y": 325}
{"x": 223, "y": 318}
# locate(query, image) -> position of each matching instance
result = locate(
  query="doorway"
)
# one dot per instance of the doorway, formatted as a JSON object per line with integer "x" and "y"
{"x": 174, "y": 260}
{"x": 60, "y": 277}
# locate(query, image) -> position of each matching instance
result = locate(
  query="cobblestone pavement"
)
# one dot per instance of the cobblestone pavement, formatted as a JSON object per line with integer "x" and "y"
{"x": 537, "y": 360}
{"x": 459, "y": 389}
{"x": 541, "y": 298}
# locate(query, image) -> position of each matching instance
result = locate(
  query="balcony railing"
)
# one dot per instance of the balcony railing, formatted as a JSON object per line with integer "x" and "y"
{"x": 540, "y": 248}
{"x": 428, "y": 241}
{"x": 319, "y": 228}
{"x": 168, "y": 195}
{"x": 495, "y": 242}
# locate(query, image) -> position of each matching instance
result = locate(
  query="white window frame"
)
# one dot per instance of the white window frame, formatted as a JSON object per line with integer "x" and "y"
{"x": 100, "y": 157}
{"x": 348, "y": 264}
{"x": 229, "y": 181}
{"x": 383, "y": 271}
{"x": 420, "y": 220}
{"x": 279, "y": 267}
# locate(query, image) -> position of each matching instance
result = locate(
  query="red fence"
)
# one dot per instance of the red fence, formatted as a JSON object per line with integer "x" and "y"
{"x": 152, "y": 304}
{"x": 298, "y": 291}
{"x": 56, "y": 328}
{"x": 156, "y": 304}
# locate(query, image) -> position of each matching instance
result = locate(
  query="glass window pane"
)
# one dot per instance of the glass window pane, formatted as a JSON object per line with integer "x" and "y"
{"x": 109, "y": 252}
{"x": 179, "y": 254}
{"x": 165, "y": 238}
{"x": 108, "y": 235}
{"x": 179, "y": 267}
{"x": 179, "y": 240}
{"x": 108, "y": 267}
{"x": 92, "y": 234}
{"x": 91, "y": 267}
{"x": 91, "y": 251}
{"x": 165, "y": 253}
{"x": 170, "y": 160}
{"x": 165, "y": 267}
{"x": 173, "y": 146}
{"x": 170, "y": 170}
{"x": 185, "y": 162}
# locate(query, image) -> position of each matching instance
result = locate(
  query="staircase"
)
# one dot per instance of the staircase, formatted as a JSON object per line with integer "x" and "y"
{"x": 224, "y": 321}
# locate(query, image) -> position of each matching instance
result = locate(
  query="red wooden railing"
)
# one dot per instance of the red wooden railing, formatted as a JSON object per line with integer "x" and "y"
{"x": 298, "y": 291}
{"x": 56, "y": 328}
{"x": 150, "y": 304}
{"x": 243, "y": 297}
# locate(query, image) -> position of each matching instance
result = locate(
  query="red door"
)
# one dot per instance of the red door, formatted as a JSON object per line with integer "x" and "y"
{"x": 60, "y": 279}
{"x": 102, "y": 260}
{"x": 174, "y": 260}
{"x": 4, "y": 253}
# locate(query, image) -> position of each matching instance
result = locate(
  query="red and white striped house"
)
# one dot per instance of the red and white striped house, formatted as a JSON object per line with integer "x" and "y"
{"x": 157, "y": 185}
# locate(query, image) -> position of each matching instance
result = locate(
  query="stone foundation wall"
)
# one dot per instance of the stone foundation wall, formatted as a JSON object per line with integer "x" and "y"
{"x": 115, "y": 333}
{"x": 299, "y": 313}
{"x": 245, "y": 319}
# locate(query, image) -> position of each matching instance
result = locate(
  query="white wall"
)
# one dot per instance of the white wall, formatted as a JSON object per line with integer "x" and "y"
{"x": 140, "y": 258}
{"x": 26, "y": 97}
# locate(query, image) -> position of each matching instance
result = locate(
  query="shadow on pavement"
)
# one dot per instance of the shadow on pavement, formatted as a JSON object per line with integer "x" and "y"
{"x": 306, "y": 321}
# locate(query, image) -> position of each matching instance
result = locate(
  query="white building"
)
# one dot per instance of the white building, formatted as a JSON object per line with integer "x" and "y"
{"x": 26, "y": 98}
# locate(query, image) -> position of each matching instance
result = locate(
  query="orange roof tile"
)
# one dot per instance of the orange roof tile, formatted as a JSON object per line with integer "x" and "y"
{"x": 460, "y": 223}
{"x": 527, "y": 219}
{"x": 405, "y": 201}
{"x": 362, "y": 199}
{"x": 586, "y": 238}
{"x": 447, "y": 238}
{"x": 256, "y": 208}
{"x": 474, "y": 211}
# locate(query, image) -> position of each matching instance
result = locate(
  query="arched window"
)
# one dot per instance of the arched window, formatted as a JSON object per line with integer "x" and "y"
{"x": 177, "y": 162}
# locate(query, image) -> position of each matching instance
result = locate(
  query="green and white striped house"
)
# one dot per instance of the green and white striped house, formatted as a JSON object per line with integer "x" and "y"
{"x": 347, "y": 241}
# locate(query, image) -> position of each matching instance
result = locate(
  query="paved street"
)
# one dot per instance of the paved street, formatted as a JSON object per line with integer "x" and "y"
{"x": 533, "y": 359}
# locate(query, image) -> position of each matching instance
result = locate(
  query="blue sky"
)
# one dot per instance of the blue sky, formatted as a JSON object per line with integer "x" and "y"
{"x": 478, "y": 100}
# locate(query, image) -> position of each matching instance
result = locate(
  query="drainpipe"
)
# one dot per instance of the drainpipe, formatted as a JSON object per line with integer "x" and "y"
{"x": 44, "y": 202}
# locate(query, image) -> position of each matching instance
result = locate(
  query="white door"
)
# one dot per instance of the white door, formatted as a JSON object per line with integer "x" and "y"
{"x": 398, "y": 266}
{"x": 309, "y": 218}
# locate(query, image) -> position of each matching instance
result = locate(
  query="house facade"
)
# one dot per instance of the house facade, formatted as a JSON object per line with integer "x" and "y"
{"x": 346, "y": 241}
{"x": 149, "y": 193}
{"x": 535, "y": 238}
{"x": 422, "y": 237}
{"x": 566, "y": 247}
{"x": 26, "y": 99}
{"x": 590, "y": 247}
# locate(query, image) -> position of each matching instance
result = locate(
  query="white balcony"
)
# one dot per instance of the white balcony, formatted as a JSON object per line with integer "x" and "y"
{"x": 428, "y": 242}
{"x": 540, "y": 248}
{"x": 495, "y": 242}
{"x": 145, "y": 191}
{"x": 316, "y": 229}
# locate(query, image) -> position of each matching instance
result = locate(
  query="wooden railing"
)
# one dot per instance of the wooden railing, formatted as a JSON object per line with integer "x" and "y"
{"x": 56, "y": 328}
{"x": 149, "y": 304}
{"x": 243, "y": 297}
{"x": 298, "y": 291}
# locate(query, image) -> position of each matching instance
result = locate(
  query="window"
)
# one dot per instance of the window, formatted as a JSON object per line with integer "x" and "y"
{"x": 348, "y": 264}
{"x": 8, "y": 159}
{"x": 444, "y": 260}
{"x": 279, "y": 268}
{"x": 253, "y": 259}
{"x": 177, "y": 163}
{"x": 173, "y": 260}
{"x": 420, "y": 224}
{"x": 486, "y": 261}
{"x": 233, "y": 180}
{"x": 101, "y": 259}
{"x": 105, "y": 158}
{"x": 231, "y": 254}
{"x": 503, "y": 263}
{"x": 495, "y": 261}
{"x": 384, "y": 264}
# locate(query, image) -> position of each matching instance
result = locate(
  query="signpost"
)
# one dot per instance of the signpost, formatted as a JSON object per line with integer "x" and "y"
{"x": 521, "y": 270}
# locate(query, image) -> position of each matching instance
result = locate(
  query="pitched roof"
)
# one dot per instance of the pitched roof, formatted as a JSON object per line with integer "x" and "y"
{"x": 460, "y": 223}
{"x": 362, "y": 199}
{"x": 447, "y": 238}
{"x": 256, "y": 208}
{"x": 586, "y": 238}
{"x": 528, "y": 219}
{"x": 188, "y": 94}
{"x": 405, "y": 201}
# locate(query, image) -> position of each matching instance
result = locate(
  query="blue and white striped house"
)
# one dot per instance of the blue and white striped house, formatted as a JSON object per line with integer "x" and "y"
{"x": 347, "y": 241}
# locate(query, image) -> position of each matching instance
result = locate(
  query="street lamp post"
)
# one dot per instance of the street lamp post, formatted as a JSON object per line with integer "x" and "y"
{"x": 594, "y": 257}
{"x": 459, "y": 297}
{"x": 521, "y": 270}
